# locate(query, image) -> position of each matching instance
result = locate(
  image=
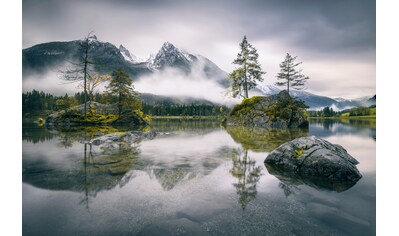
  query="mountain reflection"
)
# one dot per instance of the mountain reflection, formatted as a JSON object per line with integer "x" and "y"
{"x": 248, "y": 174}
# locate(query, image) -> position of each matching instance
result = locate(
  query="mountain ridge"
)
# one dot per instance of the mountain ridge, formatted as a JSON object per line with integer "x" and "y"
{"x": 43, "y": 56}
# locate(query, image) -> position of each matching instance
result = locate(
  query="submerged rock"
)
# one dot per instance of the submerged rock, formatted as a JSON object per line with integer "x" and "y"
{"x": 276, "y": 111}
{"x": 128, "y": 137}
{"x": 315, "y": 162}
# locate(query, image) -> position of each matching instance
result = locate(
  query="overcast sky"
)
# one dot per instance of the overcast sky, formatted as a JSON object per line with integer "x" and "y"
{"x": 335, "y": 40}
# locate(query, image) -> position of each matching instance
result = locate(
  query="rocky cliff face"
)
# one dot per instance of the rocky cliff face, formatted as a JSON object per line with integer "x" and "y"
{"x": 276, "y": 111}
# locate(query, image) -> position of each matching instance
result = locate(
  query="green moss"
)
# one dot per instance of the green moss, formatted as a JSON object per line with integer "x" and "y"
{"x": 284, "y": 108}
{"x": 299, "y": 152}
{"x": 100, "y": 118}
{"x": 245, "y": 106}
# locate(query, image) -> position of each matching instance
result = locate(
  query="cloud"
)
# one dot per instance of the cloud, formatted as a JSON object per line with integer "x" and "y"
{"x": 322, "y": 31}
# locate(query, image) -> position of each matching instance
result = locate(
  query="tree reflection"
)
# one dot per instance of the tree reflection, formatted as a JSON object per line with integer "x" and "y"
{"x": 93, "y": 171}
{"x": 248, "y": 174}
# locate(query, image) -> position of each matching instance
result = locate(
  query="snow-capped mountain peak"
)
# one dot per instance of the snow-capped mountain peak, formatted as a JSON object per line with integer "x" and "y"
{"x": 128, "y": 56}
{"x": 169, "y": 55}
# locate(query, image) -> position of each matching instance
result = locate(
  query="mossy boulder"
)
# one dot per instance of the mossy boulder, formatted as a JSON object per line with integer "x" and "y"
{"x": 276, "y": 111}
{"x": 315, "y": 162}
{"x": 97, "y": 113}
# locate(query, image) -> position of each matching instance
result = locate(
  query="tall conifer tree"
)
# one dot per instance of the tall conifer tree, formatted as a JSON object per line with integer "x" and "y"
{"x": 289, "y": 75}
{"x": 248, "y": 73}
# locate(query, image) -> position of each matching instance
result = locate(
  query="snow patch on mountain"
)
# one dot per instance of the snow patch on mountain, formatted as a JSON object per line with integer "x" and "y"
{"x": 128, "y": 56}
{"x": 170, "y": 55}
{"x": 268, "y": 89}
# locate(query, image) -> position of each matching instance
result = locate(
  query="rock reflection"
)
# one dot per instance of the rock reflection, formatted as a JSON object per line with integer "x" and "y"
{"x": 290, "y": 180}
{"x": 263, "y": 140}
{"x": 248, "y": 174}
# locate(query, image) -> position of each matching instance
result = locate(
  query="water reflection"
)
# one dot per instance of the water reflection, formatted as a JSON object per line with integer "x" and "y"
{"x": 93, "y": 170}
{"x": 35, "y": 134}
{"x": 329, "y": 127}
{"x": 248, "y": 174}
{"x": 263, "y": 140}
{"x": 178, "y": 158}
{"x": 290, "y": 179}
{"x": 185, "y": 124}
{"x": 192, "y": 179}
{"x": 169, "y": 178}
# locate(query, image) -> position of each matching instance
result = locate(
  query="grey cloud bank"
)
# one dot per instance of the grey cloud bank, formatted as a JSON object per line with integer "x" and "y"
{"x": 334, "y": 39}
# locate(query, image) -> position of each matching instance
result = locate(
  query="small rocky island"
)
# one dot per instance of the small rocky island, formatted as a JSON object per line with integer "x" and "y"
{"x": 315, "y": 162}
{"x": 276, "y": 111}
{"x": 98, "y": 114}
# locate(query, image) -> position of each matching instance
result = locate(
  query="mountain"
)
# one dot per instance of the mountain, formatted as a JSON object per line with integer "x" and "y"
{"x": 343, "y": 104}
{"x": 316, "y": 102}
{"x": 56, "y": 55}
{"x": 312, "y": 100}
{"x": 128, "y": 56}
{"x": 170, "y": 56}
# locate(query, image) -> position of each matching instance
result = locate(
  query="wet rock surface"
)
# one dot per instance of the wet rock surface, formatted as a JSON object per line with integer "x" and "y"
{"x": 315, "y": 162}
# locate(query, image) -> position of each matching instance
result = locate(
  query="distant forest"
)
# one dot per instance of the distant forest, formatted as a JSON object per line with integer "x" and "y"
{"x": 35, "y": 103}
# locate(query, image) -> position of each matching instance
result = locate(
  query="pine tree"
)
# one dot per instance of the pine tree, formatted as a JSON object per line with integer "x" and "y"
{"x": 121, "y": 87}
{"x": 249, "y": 72}
{"x": 290, "y": 75}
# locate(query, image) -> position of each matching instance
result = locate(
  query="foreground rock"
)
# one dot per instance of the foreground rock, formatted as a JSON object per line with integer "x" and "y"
{"x": 276, "y": 111}
{"x": 315, "y": 162}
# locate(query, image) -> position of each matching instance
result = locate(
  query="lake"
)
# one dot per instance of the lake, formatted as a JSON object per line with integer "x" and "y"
{"x": 193, "y": 178}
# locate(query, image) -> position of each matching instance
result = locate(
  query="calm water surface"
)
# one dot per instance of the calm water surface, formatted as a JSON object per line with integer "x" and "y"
{"x": 194, "y": 178}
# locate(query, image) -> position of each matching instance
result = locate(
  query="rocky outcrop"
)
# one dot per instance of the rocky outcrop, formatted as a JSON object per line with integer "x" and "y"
{"x": 314, "y": 161}
{"x": 276, "y": 111}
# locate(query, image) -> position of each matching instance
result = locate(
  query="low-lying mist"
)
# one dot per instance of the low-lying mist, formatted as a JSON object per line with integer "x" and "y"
{"x": 48, "y": 82}
{"x": 174, "y": 83}
{"x": 168, "y": 82}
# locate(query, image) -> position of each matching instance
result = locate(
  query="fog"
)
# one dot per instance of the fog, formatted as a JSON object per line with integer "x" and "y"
{"x": 175, "y": 83}
{"x": 48, "y": 82}
{"x": 168, "y": 82}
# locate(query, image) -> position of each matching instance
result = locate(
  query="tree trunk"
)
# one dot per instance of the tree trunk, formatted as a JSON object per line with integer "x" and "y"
{"x": 85, "y": 75}
{"x": 245, "y": 80}
{"x": 119, "y": 104}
